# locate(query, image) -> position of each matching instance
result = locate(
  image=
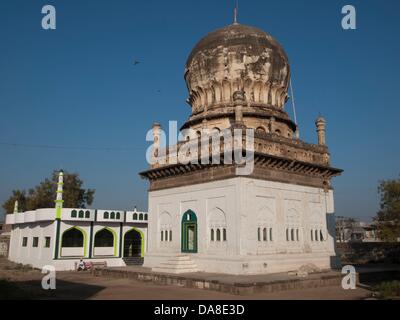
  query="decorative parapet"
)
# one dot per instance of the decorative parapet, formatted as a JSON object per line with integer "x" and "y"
{"x": 269, "y": 144}
{"x": 78, "y": 214}
{"x": 136, "y": 216}
{"x": 31, "y": 216}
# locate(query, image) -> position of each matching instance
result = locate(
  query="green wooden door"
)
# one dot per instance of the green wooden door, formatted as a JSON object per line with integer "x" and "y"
{"x": 189, "y": 232}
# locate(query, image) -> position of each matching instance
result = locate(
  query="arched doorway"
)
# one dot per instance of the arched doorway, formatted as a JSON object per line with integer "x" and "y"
{"x": 189, "y": 232}
{"x": 133, "y": 244}
{"x": 105, "y": 243}
{"x": 73, "y": 243}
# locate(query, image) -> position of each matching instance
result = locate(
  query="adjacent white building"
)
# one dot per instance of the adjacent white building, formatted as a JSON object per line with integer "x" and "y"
{"x": 62, "y": 236}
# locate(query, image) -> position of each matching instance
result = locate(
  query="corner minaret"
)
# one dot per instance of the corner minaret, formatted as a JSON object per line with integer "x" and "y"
{"x": 321, "y": 127}
{"x": 16, "y": 206}
{"x": 59, "y": 199}
{"x": 156, "y": 142}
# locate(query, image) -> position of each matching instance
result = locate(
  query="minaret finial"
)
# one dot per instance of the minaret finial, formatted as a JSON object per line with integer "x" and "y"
{"x": 235, "y": 12}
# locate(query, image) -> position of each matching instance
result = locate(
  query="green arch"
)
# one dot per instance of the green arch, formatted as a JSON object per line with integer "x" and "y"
{"x": 114, "y": 235}
{"x": 142, "y": 238}
{"x": 84, "y": 239}
{"x": 185, "y": 225}
{"x": 192, "y": 215}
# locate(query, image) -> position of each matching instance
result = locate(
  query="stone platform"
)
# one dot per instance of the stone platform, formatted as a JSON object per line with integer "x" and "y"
{"x": 238, "y": 285}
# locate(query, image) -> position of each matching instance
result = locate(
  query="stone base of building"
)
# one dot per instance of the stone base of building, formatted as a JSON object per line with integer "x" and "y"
{"x": 237, "y": 285}
{"x": 239, "y": 265}
{"x": 70, "y": 263}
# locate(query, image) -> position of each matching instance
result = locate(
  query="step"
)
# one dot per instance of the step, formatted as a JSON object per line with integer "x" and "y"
{"x": 129, "y": 261}
{"x": 180, "y": 263}
{"x": 174, "y": 271}
{"x": 177, "y": 264}
{"x": 183, "y": 259}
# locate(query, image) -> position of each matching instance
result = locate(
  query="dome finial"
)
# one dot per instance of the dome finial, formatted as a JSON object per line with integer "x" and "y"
{"x": 235, "y": 12}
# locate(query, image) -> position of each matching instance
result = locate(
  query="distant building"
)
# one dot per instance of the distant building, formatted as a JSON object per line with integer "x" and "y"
{"x": 4, "y": 228}
{"x": 4, "y": 239}
{"x": 62, "y": 236}
{"x": 352, "y": 230}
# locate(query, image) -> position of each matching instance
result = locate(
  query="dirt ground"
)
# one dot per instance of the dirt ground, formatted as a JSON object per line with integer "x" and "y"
{"x": 83, "y": 285}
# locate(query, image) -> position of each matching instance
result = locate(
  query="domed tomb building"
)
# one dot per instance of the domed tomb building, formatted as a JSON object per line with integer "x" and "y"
{"x": 207, "y": 217}
{"x": 244, "y": 59}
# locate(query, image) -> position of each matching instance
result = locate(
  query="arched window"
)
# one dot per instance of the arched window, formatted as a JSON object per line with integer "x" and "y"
{"x": 217, "y": 222}
{"x": 81, "y": 214}
{"x": 297, "y": 234}
{"x": 312, "y": 235}
{"x": 72, "y": 238}
{"x": 145, "y": 216}
{"x": 259, "y": 234}
{"x": 265, "y": 234}
{"x": 321, "y": 236}
{"x": 104, "y": 238}
{"x": 162, "y": 235}
{"x": 278, "y": 132}
{"x": 135, "y": 216}
{"x": 212, "y": 234}
{"x": 141, "y": 216}
{"x": 165, "y": 225}
{"x": 224, "y": 234}
{"x": 87, "y": 214}
{"x": 270, "y": 234}
{"x": 112, "y": 215}
{"x": 260, "y": 130}
{"x": 316, "y": 235}
{"x": 292, "y": 234}
{"x": 106, "y": 215}
{"x": 73, "y": 214}
{"x": 117, "y": 216}
{"x": 287, "y": 234}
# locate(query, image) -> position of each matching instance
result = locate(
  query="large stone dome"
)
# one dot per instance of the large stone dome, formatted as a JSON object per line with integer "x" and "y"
{"x": 237, "y": 57}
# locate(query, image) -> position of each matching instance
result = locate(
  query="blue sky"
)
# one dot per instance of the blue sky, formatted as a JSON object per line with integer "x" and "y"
{"x": 77, "y": 86}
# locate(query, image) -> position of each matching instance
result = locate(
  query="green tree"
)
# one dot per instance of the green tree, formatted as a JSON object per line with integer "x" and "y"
{"x": 17, "y": 195}
{"x": 44, "y": 194}
{"x": 388, "y": 217}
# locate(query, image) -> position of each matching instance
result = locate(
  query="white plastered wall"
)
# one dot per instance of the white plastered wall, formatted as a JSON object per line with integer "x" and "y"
{"x": 246, "y": 204}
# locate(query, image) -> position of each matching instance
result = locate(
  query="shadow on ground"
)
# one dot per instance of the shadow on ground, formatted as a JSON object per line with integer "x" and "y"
{"x": 32, "y": 289}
